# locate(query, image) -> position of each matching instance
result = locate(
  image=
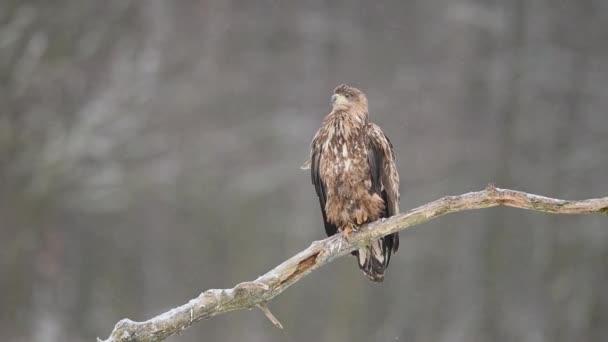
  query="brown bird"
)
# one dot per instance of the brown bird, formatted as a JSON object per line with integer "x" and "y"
{"x": 352, "y": 167}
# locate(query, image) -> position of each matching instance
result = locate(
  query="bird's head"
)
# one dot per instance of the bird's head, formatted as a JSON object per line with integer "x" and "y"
{"x": 349, "y": 99}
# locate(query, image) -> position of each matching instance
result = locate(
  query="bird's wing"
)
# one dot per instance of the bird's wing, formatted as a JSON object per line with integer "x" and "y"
{"x": 315, "y": 161}
{"x": 385, "y": 180}
{"x": 382, "y": 167}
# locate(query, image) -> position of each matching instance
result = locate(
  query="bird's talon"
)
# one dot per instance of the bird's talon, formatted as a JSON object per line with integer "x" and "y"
{"x": 346, "y": 231}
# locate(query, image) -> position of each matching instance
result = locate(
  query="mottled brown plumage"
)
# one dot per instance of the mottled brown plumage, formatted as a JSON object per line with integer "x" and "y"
{"x": 353, "y": 170}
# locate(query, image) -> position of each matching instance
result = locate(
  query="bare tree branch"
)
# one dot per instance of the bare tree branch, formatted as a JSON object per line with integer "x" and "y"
{"x": 260, "y": 291}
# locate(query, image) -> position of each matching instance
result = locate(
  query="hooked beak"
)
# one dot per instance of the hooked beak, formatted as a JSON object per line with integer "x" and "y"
{"x": 339, "y": 101}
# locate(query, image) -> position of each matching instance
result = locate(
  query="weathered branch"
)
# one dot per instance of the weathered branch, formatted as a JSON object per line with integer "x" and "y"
{"x": 260, "y": 291}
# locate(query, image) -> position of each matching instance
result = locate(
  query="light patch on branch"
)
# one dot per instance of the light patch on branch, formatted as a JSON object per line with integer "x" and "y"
{"x": 260, "y": 291}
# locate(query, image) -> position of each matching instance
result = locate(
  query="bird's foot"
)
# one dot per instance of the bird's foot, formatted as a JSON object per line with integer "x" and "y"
{"x": 347, "y": 230}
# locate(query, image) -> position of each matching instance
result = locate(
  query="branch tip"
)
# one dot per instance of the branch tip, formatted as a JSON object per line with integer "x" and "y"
{"x": 270, "y": 316}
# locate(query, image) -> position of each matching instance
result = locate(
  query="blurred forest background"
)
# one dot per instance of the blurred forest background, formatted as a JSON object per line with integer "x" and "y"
{"x": 150, "y": 150}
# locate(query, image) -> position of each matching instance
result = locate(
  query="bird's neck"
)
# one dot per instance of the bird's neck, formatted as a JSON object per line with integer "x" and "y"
{"x": 345, "y": 123}
{"x": 354, "y": 115}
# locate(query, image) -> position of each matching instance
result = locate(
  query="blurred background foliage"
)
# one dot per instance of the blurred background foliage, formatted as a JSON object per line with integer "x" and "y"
{"x": 149, "y": 150}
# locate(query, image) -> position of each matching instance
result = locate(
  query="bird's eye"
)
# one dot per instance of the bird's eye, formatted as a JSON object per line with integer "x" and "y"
{"x": 347, "y": 96}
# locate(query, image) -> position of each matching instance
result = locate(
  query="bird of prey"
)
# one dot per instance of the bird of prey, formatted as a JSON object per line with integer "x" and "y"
{"x": 352, "y": 167}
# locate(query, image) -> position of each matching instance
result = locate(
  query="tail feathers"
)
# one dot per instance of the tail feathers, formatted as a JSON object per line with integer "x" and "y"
{"x": 374, "y": 259}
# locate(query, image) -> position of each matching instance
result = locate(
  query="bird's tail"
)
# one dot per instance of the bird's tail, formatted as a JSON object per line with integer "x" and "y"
{"x": 374, "y": 259}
